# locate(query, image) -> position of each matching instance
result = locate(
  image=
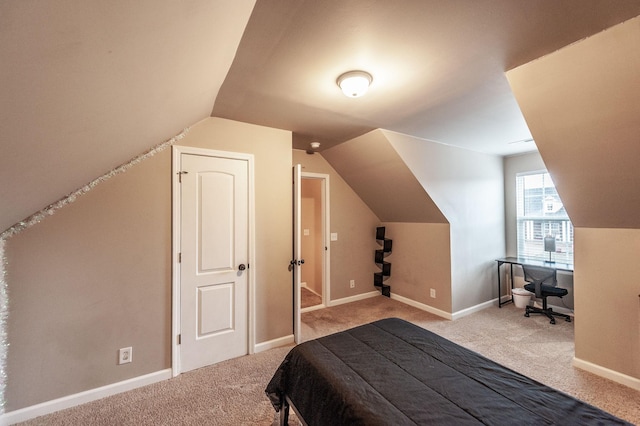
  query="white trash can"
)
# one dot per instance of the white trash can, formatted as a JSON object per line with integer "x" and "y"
{"x": 521, "y": 297}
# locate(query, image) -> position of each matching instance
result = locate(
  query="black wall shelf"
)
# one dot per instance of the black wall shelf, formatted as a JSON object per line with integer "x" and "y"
{"x": 385, "y": 267}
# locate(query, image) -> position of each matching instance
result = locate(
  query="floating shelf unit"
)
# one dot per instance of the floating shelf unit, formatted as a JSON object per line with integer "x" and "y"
{"x": 385, "y": 267}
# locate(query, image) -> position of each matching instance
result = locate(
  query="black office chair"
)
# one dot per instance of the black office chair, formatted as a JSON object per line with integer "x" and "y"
{"x": 543, "y": 281}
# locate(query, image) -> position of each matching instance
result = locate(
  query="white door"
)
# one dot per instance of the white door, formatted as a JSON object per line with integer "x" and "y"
{"x": 214, "y": 259}
{"x": 297, "y": 262}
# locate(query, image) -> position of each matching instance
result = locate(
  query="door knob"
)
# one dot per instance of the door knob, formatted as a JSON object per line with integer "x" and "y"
{"x": 242, "y": 267}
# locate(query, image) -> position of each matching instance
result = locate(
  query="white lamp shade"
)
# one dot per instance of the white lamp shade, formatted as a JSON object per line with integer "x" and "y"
{"x": 549, "y": 243}
{"x": 354, "y": 83}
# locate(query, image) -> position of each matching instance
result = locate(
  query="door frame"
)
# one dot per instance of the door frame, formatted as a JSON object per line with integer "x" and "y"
{"x": 326, "y": 265}
{"x": 177, "y": 151}
{"x": 326, "y": 282}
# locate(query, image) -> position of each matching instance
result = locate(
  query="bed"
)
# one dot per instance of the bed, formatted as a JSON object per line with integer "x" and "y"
{"x": 391, "y": 372}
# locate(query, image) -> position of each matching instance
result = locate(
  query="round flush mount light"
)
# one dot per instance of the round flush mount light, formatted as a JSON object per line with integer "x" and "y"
{"x": 354, "y": 83}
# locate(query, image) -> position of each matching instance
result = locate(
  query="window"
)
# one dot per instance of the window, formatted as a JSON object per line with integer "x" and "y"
{"x": 540, "y": 213}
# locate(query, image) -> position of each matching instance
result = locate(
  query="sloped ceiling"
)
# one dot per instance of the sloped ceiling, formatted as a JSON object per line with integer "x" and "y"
{"x": 438, "y": 66}
{"x": 89, "y": 84}
{"x": 582, "y": 104}
{"x": 379, "y": 176}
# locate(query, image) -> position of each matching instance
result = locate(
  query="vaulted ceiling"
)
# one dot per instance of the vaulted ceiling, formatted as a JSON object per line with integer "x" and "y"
{"x": 437, "y": 65}
{"x": 88, "y": 85}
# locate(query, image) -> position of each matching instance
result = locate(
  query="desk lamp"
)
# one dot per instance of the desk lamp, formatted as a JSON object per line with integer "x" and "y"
{"x": 550, "y": 246}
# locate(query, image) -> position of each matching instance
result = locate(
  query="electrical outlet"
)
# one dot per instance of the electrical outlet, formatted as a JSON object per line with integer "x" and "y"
{"x": 125, "y": 355}
{"x": 432, "y": 293}
{"x": 352, "y": 283}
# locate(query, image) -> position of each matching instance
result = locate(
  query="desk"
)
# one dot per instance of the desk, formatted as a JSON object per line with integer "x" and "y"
{"x": 558, "y": 266}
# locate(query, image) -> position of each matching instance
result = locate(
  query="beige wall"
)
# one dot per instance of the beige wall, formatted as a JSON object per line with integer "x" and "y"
{"x": 91, "y": 279}
{"x": 607, "y": 326}
{"x": 379, "y": 175}
{"x": 468, "y": 188}
{"x": 96, "y": 276}
{"x": 414, "y": 182}
{"x": 352, "y": 255}
{"x": 581, "y": 104}
{"x": 421, "y": 261}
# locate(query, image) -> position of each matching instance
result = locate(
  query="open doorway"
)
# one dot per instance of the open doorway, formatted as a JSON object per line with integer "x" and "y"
{"x": 314, "y": 241}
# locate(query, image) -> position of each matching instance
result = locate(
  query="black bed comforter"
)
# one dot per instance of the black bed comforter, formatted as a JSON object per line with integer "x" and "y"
{"x": 391, "y": 372}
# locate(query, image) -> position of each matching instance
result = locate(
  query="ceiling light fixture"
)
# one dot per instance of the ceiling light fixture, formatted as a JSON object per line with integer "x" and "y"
{"x": 313, "y": 146}
{"x": 354, "y": 83}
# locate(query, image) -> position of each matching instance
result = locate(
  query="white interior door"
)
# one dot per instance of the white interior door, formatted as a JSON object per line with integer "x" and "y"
{"x": 214, "y": 259}
{"x": 297, "y": 261}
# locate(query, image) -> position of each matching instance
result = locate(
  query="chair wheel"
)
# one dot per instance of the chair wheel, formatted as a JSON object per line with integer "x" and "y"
{"x": 553, "y": 321}
{"x": 526, "y": 314}
{"x": 568, "y": 319}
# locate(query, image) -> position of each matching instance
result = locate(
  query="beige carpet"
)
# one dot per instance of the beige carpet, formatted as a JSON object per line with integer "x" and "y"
{"x": 232, "y": 392}
{"x": 308, "y": 298}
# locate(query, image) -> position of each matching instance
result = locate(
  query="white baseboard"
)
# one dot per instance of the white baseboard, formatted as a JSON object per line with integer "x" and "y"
{"x": 422, "y": 306}
{"x": 353, "y": 298}
{"x": 612, "y": 375}
{"x": 312, "y": 308}
{"x": 275, "y": 343}
{"x": 443, "y": 314}
{"x": 69, "y": 401}
{"x": 472, "y": 309}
